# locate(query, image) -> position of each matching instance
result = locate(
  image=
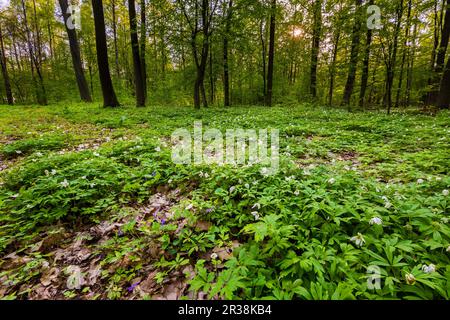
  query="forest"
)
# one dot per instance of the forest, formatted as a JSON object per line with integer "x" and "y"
{"x": 355, "y": 95}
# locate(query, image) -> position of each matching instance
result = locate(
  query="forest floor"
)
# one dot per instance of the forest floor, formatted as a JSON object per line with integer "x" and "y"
{"x": 92, "y": 206}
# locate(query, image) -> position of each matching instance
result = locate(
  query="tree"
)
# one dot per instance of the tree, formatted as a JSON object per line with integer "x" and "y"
{"x": 354, "y": 52}
{"x": 138, "y": 73}
{"x": 9, "y": 95}
{"x": 41, "y": 93}
{"x": 83, "y": 87}
{"x": 143, "y": 46}
{"x": 365, "y": 68}
{"x": 109, "y": 95}
{"x": 226, "y": 70}
{"x": 315, "y": 46}
{"x": 270, "y": 66}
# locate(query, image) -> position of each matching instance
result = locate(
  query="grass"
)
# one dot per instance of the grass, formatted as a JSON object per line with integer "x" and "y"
{"x": 92, "y": 207}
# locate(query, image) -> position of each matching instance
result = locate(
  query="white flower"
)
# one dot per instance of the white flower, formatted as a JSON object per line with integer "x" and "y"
{"x": 257, "y": 206}
{"x": 18, "y": 152}
{"x": 256, "y": 215}
{"x": 331, "y": 180}
{"x": 376, "y": 220}
{"x": 247, "y": 186}
{"x": 92, "y": 185}
{"x": 358, "y": 240}
{"x": 264, "y": 171}
{"x": 64, "y": 184}
{"x": 39, "y": 154}
{"x": 190, "y": 206}
{"x": 448, "y": 249}
{"x": 206, "y": 175}
{"x": 96, "y": 154}
{"x": 445, "y": 192}
{"x": 296, "y": 192}
{"x": 214, "y": 256}
{"x": 420, "y": 181}
{"x": 158, "y": 149}
{"x": 410, "y": 279}
{"x": 387, "y": 205}
{"x": 429, "y": 269}
{"x": 53, "y": 172}
{"x": 83, "y": 177}
{"x": 232, "y": 189}
{"x": 201, "y": 174}
{"x": 170, "y": 181}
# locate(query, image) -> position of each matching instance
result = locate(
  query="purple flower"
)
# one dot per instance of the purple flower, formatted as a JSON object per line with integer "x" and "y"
{"x": 120, "y": 233}
{"x": 163, "y": 221}
{"x": 209, "y": 210}
{"x": 133, "y": 286}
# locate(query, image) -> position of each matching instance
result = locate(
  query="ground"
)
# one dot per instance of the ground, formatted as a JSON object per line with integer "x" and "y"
{"x": 92, "y": 206}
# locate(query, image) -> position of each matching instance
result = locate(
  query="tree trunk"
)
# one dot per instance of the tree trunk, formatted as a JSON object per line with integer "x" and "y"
{"x": 365, "y": 68}
{"x": 411, "y": 65}
{"x": 109, "y": 95}
{"x": 138, "y": 81}
{"x": 317, "y": 29}
{"x": 405, "y": 49}
{"x": 76, "y": 56}
{"x": 41, "y": 94}
{"x": 116, "y": 47}
{"x": 440, "y": 54}
{"x": 390, "y": 70}
{"x": 333, "y": 67}
{"x": 226, "y": 73}
{"x": 143, "y": 46}
{"x": 270, "y": 66}
{"x": 9, "y": 95}
{"x": 443, "y": 100}
{"x": 353, "y": 56}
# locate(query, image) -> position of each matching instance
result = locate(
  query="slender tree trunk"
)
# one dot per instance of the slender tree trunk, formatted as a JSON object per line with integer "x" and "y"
{"x": 353, "y": 56}
{"x": 333, "y": 67}
{"x": 264, "y": 57}
{"x": 109, "y": 95}
{"x": 143, "y": 45}
{"x": 9, "y": 95}
{"x": 41, "y": 94}
{"x": 83, "y": 87}
{"x": 405, "y": 50}
{"x": 226, "y": 72}
{"x": 270, "y": 67}
{"x": 390, "y": 70}
{"x": 365, "y": 67}
{"x": 317, "y": 30}
{"x": 138, "y": 81}
{"x": 116, "y": 47}
{"x": 411, "y": 65}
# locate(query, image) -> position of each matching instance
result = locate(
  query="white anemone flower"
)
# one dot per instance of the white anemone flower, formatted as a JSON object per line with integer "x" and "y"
{"x": 429, "y": 269}
{"x": 358, "y": 240}
{"x": 376, "y": 220}
{"x": 445, "y": 192}
{"x": 65, "y": 183}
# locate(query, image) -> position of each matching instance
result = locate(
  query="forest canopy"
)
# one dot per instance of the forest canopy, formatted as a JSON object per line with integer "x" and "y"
{"x": 369, "y": 54}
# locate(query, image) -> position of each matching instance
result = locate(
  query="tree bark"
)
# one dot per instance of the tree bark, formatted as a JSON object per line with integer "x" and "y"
{"x": 443, "y": 100}
{"x": 270, "y": 66}
{"x": 365, "y": 68}
{"x": 41, "y": 94}
{"x": 138, "y": 81}
{"x": 353, "y": 56}
{"x": 83, "y": 87}
{"x": 143, "y": 46}
{"x": 109, "y": 95}
{"x": 226, "y": 72}
{"x": 9, "y": 95}
{"x": 317, "y": 29}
